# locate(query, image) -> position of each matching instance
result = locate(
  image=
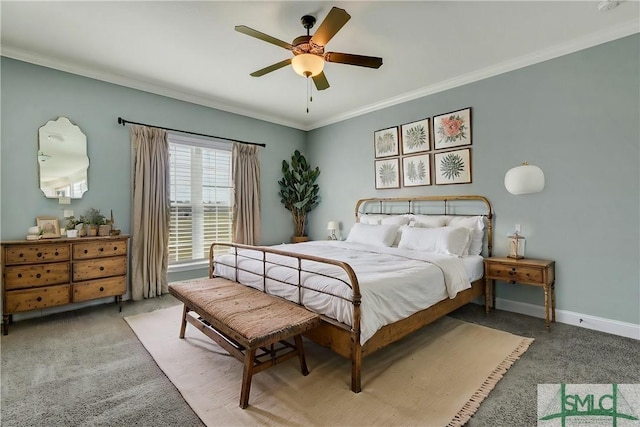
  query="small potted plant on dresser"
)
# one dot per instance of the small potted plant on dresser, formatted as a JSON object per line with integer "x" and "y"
{"x": 299, "y": 192}
{"x": 72, "y": 226}
{"x": 93, "y": 220}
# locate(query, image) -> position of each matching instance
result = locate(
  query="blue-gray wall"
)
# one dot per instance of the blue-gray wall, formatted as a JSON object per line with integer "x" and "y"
{"x": 32, "y": 95}
{"x": 577, "y": 117}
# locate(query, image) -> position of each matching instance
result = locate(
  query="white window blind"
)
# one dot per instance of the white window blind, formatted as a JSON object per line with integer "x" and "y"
{"x": 201, "y": 197}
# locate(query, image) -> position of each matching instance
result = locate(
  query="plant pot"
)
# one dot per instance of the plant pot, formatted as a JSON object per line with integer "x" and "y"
{"x": 299, "y": 239}
{"x": 91, "y": 230}
{"x": 104, "y": 230}
{"x": 72, "y": 233}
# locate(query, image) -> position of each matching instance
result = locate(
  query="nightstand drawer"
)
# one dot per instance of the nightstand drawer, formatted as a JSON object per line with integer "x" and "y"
{"x": 515, "y": 274}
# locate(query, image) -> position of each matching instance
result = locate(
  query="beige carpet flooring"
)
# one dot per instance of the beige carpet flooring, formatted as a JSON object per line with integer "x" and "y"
{"x": 435, "y": 377}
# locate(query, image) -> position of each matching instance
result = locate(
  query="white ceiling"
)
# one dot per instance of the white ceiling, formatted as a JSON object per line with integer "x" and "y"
{"x": 190, "y": 51}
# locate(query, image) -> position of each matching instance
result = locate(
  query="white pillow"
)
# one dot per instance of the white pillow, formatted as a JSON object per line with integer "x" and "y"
{"x": 429, "y": 221}
{"x": 476, "y": 225}
{"x": 446, "y": 240}
{"x": 398, "y": 220}
{"x": 370, "y": 219}
{"x": 371, "y": 234}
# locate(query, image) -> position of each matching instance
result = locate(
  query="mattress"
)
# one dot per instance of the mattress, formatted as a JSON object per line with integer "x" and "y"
{"x": 394, "y": 283}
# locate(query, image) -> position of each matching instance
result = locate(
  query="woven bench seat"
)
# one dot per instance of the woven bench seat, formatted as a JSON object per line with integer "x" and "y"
{"x": 244, "y": 320}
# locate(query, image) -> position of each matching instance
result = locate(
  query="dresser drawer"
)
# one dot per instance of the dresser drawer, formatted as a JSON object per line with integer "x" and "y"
{"x": 99, "y": 268}
{"x": 99, "y": 249}
{"x": 32, "y": 299}
{"x": 511, "y": 273}
{"x": 25, "y": 254}
{"x": 99, "y": 288}
{"x": 32, "y": 276}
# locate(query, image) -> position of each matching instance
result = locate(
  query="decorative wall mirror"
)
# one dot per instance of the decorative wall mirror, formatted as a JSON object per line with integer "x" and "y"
{"x": 62, "y": 159}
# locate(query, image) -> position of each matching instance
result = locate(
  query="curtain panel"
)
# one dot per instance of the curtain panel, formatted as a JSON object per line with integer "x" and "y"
{"x": 151, "y": 209}
{"x": 246, "y": 191}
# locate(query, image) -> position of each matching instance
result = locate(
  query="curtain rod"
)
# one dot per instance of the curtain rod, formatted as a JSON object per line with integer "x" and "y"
{"x": 123, "y": 122}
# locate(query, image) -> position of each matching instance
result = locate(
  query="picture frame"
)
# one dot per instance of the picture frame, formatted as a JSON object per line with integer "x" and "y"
{"x": 385, "y": 142}
{"x": 452, "y": 129}
{"x": 416, "y": 170}
{"x": 415, "y": 137}
{"x": 387, "y": 173}
{"x": 452, "y": 167}
{"x": 49, "y": 225}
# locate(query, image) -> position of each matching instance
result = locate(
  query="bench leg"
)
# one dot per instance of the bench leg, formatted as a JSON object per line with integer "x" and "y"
{"x": 183, "y": 325}
{"x": 246, "y": 377}
{"x": 300, "y": 350}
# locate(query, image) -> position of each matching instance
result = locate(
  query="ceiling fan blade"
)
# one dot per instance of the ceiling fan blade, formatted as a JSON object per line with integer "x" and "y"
{"x": 359, "y": 60}
{"x": 271, "y": 68}
{"x": 330, "y": 26}
{"x": 321, "y": 81}
{"x": 262, "y": 36}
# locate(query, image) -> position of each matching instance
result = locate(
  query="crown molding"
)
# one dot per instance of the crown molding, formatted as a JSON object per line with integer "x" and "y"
{"x": 632, "y": 27}
{"x": 112, "y": 77}
{"x": 594, "y": 39}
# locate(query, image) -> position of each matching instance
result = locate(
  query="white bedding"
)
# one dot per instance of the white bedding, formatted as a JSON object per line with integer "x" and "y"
{"x": 394, "y": 283}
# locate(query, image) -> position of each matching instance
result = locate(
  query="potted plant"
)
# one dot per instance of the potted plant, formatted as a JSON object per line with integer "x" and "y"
{"x": 93, "y": 219}
{"x": 72, "y": 226}
{"x": 299, "y": 192}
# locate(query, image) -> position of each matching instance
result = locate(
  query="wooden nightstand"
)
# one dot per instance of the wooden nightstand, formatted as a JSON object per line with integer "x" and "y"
{"x": 535, "y": 272}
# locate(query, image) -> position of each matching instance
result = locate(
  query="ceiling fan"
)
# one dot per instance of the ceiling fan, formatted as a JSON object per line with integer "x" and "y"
{"x": 309, "y": 55}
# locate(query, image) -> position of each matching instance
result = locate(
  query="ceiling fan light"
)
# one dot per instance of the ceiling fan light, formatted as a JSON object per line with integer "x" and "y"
{"x": 307, "y": 64}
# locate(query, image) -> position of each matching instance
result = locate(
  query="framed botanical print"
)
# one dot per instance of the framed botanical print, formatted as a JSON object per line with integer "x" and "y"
{"x": 387, "y": 173}
{"x": 452, "y": 129}
{"x": 452, "y": 167}
{"x": 49, "y": 226}
{"x": 385, "y": 142}
{"x": 416, "y": 170}
{"x": 415, "y": 137}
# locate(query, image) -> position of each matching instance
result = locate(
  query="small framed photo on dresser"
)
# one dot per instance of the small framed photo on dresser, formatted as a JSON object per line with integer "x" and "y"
{"x": 49, "y": 226}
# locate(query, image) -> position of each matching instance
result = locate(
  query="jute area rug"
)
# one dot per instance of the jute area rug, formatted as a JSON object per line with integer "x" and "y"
{"x": 437, "y": 376}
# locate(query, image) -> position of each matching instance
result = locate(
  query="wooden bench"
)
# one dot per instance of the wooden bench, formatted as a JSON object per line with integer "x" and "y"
{"x": 243, "y": 320}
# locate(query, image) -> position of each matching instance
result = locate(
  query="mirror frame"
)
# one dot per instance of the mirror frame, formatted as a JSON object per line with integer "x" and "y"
{"x": 62, "y": 147}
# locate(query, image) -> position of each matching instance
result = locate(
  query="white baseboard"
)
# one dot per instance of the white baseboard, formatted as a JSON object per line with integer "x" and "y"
{"x": 616, "y": 327}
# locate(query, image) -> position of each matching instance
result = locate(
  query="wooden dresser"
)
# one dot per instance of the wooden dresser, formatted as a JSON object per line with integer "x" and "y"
{"x": 47, "y": 273}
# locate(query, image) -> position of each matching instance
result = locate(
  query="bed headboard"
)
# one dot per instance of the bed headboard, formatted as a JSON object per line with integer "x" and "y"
{"x": 466, "y": 205}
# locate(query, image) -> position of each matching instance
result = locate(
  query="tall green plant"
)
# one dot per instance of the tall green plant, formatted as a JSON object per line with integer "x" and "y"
{"x": 298, "y": 190}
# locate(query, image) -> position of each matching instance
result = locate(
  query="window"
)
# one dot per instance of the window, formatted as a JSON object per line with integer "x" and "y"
{"x": 201, "y": 194}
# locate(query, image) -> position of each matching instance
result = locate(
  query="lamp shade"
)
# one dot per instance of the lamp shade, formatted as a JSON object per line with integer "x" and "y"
{"x": 332, "y": 225}
{"x": 524, "y": 179}
{"x": 307, "y": 64}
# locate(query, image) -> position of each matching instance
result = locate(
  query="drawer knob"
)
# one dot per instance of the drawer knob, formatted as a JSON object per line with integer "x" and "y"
{"x": 48, "y": 271}
{"x": 19, "y": 275}
{"x": 101, "y": 249}
{"x": 101, "y": 289}
{"x": 101, "y": 268}
{"x": 115, "y": 248}
{"x": 21, "y": 255}
{"x": 39, "y": 299}
{"x": 86, "y": 251}
{"x": 39, "y": 254}
{"x": 57, "y": 254}
{"x": 38, "y": 275}
{"x": 512, "y": 273}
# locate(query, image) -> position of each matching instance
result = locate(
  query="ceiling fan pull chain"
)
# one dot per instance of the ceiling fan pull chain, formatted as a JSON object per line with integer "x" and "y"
{"x": 309, "y": 98}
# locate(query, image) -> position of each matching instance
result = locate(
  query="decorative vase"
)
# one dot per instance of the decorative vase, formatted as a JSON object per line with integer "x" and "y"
{"x": 91, "y": 230}
{"x": 104, "y": 230}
